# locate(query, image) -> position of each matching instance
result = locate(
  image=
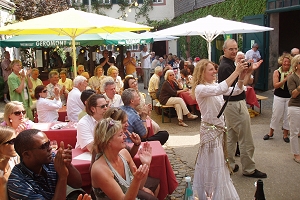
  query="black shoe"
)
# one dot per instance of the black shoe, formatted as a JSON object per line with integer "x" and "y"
{"x": 287, "y": 140}
{"x": 256, "y": 174}
{"x": 266, "y": 137}
{"x": 236, "y": 168}
{"x": 145, "y": 88}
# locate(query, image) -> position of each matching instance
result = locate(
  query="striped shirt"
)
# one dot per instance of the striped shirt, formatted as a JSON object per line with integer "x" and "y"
{"x": 25, "y": 184}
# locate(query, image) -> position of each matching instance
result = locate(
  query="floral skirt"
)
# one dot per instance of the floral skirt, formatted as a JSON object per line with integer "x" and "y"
{"x": 212, "y": 175}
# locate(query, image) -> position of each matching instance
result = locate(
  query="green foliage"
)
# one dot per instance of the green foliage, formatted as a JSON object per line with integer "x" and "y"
{"x": 144, "y": 10}
{"x": 229, "y": 9}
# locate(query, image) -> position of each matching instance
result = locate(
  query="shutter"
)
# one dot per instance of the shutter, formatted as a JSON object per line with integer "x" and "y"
{"x": 114, "y": 1}
{"x": 140, "y": 1}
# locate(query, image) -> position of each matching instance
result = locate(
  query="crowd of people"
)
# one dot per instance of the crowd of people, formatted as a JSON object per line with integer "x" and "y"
{"x": 111, "y": 113}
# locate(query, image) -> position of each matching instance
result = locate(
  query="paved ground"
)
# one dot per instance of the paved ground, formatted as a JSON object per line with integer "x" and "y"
{"x": 272, "y": 156}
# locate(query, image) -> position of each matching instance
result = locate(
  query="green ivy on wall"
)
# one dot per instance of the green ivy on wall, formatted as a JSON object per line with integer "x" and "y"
{"x": 229, "y": 9}
{"x": 144, "y": 10}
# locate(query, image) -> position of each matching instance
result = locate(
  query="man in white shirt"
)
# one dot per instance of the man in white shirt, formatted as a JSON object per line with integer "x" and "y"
{"x": 253, "y": 54}
{"x": 96, "y": 106}
{"x": 74, "y": 103}
{"x": 154, "y": 82}
{"x": 109, "y": 87}
{"x": 146, "y": 65}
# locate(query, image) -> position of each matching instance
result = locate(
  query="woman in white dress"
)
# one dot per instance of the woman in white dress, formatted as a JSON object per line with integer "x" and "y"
{"x": 47, "y": 109}
{"x": 212, "y": 173}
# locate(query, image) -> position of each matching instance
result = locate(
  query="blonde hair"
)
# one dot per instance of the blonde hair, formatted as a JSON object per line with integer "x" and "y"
{"x": 295, "y": 62}
{"x": 96, "y": 69}
{"x": 284, "y": 55}
{"x": 6, "y": 133}
{"x": 14, "y": 62}
{"x": 109, "y": 70}
{"x": 198, "y": 75}
{"x": 103, "y": 133}
{"x": 8, "y": 110}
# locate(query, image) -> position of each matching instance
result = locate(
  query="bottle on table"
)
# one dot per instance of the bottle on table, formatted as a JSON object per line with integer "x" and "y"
{"x": 188, "y": 194}
{"x": 259, "y": 193}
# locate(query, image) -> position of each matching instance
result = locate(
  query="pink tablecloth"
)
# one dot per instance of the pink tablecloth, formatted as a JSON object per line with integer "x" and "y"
{"x": 66, "y": 134}
{"x": 160, "y": 168}
{"x": 62, "y": 113}
{"x": 251, "y": 97}
{"x": 187, "y": 98}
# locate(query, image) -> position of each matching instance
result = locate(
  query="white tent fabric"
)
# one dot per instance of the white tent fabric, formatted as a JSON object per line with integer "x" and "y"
{"x": 210, "y": 27}
{"x": 157, "y": 38}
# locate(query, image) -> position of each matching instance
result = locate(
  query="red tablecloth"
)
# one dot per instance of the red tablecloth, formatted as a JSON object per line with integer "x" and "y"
{"x": 66, "y": 134}
{"x": 160, "y": 168}
{"x": 187, "y": 98}
{"x": 251, "y": 97}
{"x": 62, "y": 113}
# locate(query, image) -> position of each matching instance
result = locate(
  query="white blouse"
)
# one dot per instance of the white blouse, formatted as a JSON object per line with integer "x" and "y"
{"x": 210, "y": 100}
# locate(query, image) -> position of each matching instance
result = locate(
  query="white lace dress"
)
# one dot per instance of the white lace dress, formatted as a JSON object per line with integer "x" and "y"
{"x": 212, "y": 176}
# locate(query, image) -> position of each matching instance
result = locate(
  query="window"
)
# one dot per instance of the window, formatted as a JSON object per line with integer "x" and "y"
{"x": 105, "y": 1}
{"x": 158, "y": 1}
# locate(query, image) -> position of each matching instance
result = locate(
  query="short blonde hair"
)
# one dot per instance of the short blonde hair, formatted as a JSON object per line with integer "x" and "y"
{"x": 8, "y": 110}
{"x": 110, "y": 69}
{"x": 295, "y": 62}
{"x": 198, "y": 75}
{"x": 96, "y": 69}
{"x": 103, "y": 133}
{"x": 14, "y": 62}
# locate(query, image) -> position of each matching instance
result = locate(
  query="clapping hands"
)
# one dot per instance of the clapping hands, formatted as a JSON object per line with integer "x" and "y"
{"x": 145, "y": 153}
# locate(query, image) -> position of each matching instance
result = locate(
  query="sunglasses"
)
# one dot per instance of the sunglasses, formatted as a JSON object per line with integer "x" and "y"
{"x": 44, "y": 146}
{"x": 44, "y": 91}
{"x": 11, "y": 142}
{"x": 17, "y": 113}
{"x": 103, "y": 106}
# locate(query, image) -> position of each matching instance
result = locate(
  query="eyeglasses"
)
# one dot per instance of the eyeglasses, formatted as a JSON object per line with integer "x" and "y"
{"x": 11, "y": 142}
{"x": 44, "y": 91}
{"x": 44, "y": 146}
{"x": 171, "y": 74}
{"x": 17, "y": 113}
{"x": 103, "y": 106}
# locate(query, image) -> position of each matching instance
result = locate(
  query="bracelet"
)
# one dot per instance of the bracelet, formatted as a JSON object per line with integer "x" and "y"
{"x": 137, "y": 144}
{"x": 298, "y": 89}
{"x": 143, "y": 120}
{"x": 240, "y": 80}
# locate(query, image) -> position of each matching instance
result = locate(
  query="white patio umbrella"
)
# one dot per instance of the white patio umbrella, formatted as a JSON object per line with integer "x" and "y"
{"x": 210, "y": 27}
{"x": 71, "y": 23}
{"x": 157, "y": 38}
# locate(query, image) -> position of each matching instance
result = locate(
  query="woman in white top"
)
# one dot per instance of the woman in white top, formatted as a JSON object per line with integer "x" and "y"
{"x": 113, "y": 71}
{"x": 95, "y": 81}
{"x": 212, "y": 173}
{"x": 47, "y": 109}
{"x": 64, "y": 81}
{"x": 8, "y": 157}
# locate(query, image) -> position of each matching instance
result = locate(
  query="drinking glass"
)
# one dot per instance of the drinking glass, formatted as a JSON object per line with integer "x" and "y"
{"x": 53, "y": 144}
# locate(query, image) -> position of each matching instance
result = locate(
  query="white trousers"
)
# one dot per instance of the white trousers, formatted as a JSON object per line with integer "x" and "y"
{"x": 179, "y": 106}
{"x": 279, "y": 112}
{"x": 146, "y": 77}
{"x": 294, "y": 119}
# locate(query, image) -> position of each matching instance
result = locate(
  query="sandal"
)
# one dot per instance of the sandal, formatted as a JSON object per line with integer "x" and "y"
{"x": 182, "y": 124}
{"x": 193, "y": 116}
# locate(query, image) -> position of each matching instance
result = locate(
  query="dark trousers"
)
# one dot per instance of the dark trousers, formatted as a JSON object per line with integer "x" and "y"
{"x": 161, "y": 136}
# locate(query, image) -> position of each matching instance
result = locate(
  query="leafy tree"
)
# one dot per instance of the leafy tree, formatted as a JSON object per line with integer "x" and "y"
{"x": 28, "y": 9}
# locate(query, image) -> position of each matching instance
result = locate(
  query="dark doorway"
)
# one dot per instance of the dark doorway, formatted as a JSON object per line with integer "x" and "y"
{"x": 159, "y": 48}
{"x": 289, "y": 31}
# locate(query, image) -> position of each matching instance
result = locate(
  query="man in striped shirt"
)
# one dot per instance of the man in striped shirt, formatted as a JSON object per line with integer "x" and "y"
{"x": 41, "y": 174}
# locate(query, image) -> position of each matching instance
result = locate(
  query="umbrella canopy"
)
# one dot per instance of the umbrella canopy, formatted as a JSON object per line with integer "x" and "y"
{"x": 157, "y": 38}
{"x": 210, "y": 27}
{"x": 71, "y": 23}
{"x": 30, "y": 41}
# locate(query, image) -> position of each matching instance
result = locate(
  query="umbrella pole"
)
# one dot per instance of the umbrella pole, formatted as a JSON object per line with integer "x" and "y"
{"x": 209, "y": 50}
{"x": 74, "y": 57}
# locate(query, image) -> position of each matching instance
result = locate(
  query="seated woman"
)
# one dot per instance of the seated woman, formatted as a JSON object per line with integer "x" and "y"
{"x": 47, "y": 109}
{"x": 64, "y": 81}
{"x": 14, "y": 116}
{"x": 8, "y": 158}
{"x": 113, "y": 71}
{"x": 120, "y": 115}
{"x": 95, "y": 81}
{"x": 114, "y": 167}
{"x": 168, "y": 96}
{"x": 184, "y": 74}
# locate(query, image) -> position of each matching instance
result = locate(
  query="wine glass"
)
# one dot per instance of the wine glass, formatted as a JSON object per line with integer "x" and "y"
{"x": 67, "y": 118}
{"x": 53, "y": 144}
